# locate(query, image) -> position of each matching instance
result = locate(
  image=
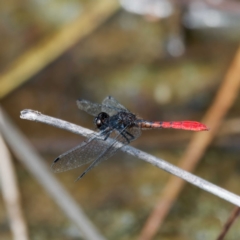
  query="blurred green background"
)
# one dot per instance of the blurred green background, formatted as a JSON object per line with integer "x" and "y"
{"x": 161, "y": 68}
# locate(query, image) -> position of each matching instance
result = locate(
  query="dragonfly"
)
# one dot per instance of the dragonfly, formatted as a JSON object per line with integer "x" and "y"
{"x": 113, "y": 121}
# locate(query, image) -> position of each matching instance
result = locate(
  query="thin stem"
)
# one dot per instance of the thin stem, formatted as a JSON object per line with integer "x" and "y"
{"x": 233, "y": 217}
{"x": 11, "y": 194}
{"x": 197, "y": 181}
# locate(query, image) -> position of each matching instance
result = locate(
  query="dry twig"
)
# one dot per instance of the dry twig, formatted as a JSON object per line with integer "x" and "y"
{"x": 235, "y": 213}
{"x": 160, "y": 163}
{"x": 11, "y": 194}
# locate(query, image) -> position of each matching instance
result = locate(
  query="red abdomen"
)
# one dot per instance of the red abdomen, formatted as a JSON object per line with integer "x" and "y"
{"x": 184, "y": 125}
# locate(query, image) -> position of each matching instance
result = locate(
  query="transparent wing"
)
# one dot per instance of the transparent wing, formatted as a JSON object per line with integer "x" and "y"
{"x": 121, "y": 139}
{"x": 109, "y": 105}
{"x": 82, "y": 154}
{"x": 91, "y": 108}
{"x": 94, "y": 148}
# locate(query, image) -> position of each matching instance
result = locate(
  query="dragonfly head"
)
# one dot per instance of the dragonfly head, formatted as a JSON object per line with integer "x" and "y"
{"x": 101, "y": 120}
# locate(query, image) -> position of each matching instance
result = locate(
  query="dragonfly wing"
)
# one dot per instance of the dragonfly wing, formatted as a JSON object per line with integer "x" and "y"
{"x": 111, "y": 106}
{"x": 112, "y": 102}
{"x": 91, "y": 108}
{"x": 121, "y": 139}
{"x": 82, "y": 154}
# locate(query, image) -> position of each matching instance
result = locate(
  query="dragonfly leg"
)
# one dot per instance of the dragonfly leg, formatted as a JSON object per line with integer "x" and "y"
{"x": 129, "y": 134}
{"x": 106, "y": 137}
{"x": 106, "y": 133}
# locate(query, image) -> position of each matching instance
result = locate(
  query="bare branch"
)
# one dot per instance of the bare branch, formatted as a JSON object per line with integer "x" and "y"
{"x": 197, "y": 181}
{"x": 232, "y": 218}
{"x": 11, "y": 194}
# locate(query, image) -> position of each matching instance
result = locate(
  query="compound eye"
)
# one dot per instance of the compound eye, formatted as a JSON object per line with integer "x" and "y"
{"x": 103, "y": 116}
{"x": 101, "y": 119}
